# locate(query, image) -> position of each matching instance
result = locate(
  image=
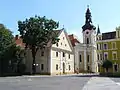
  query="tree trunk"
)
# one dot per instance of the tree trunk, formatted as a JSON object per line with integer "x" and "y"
{"x": 34, "y": 62}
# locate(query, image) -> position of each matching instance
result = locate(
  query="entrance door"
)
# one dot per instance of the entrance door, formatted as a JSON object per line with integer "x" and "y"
{"x": 63, "y": 67}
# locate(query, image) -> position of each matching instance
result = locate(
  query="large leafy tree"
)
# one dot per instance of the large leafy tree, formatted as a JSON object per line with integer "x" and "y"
{"x": 107, "y": 64}
{"x": 36, "y": 32}
{"x": 6, "y": 41}
{"x": 9, "y": 52}
{"x": 15, "y": 57}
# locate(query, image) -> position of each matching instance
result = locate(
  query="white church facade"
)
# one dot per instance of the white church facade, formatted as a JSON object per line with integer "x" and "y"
{"x": 85, "y": 53}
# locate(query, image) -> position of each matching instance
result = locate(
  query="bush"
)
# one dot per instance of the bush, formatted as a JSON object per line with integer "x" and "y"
{"x": 110, "y": 74}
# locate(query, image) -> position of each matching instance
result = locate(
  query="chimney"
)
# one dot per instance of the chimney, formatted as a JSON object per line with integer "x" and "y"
{"x": 16, "y": 37}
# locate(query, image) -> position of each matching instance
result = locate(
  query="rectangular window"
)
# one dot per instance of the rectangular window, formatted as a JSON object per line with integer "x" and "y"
{"x": 80, "y": 58}
{"x": 69, "y": 56}
{"x": 113, "y": 45}
{"x": 87, "y": 58}
{"x": 105, "y": 46}
{"x": 63, "y": 54}
{"x": 42, "y": 53}
{"x": 56, "y": 66}
{"x": 105, "y": 56}
{"x": 114, "y": 54}
{"x": 69, "y": 67}
{"x": 42, "y": 66}
{"x": 56, "y": 54}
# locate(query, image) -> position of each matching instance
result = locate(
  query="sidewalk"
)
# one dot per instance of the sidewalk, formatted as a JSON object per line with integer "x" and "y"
{"x": 101, "y": 83}
{"x": 80, "y": 74}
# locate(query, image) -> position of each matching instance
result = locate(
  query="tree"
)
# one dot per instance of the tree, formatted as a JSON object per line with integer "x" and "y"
{"x": 6, "y": 41}
{"x": 36, "y": 32}
{"x": 107, "y": 64}
{"x": 9, "y": 52}
{"x": 15, "y": 57}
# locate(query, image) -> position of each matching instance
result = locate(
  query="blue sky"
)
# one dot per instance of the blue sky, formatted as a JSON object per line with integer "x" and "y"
{"x": 70, "y": 13}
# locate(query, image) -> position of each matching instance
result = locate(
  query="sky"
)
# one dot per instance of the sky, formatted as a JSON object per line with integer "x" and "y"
{"x": 69, "y": 13}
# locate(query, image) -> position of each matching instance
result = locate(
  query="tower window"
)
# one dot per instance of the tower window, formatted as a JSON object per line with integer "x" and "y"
{"x": 87, "y": 32}
{"x": 57, "y": 44}
{"x": 80, "y": 58}
{"x": 69, "y": 56}
{"x": 63, "y": 54}
{"x": 88, "y": 58}
{"x": 56, "y": 54}
{"x": 87, "y": 40}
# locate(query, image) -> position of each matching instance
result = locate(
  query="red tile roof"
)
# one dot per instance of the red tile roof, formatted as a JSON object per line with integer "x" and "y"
{"x": 73, "y": 39}
{"x": 19, "y": 41}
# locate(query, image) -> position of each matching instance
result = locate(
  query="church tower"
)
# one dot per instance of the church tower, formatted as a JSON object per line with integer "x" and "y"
{"x": 89, "y": 42}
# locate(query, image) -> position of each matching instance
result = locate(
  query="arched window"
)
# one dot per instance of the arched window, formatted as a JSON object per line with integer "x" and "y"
{"x": 87, "y": 40}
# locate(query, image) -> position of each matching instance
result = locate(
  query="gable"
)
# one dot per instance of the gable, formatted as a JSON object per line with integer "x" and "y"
{"x": 64, "y": 42}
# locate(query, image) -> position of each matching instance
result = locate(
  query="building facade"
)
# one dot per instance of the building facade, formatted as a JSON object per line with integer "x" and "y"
{"x": 54, "y": 59}
{"x": 108, "y": 48}
{"x": 86, "y": 52}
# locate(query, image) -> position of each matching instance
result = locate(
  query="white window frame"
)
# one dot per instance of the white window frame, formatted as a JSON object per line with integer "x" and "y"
{"x": 112, "y": 45}
{"x": 114, "y": 52}
{"x": 106, "y": 46}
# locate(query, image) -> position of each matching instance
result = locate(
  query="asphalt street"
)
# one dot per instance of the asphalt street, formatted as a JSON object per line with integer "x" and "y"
{"x": 73, "y": 82}
{"x": 43, "y": 83}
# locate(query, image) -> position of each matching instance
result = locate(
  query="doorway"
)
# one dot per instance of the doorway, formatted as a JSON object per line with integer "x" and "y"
{"x": 63, "y": 68}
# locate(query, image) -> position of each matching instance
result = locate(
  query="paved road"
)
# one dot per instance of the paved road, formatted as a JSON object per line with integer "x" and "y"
{"x": 74, "y": 82}
{"x": 43, "y": 83}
